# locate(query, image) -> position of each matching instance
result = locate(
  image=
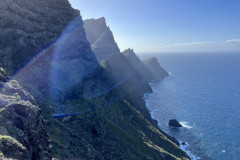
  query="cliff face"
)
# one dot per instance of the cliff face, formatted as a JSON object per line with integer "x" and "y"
{"x": 157, "y": 70}
{"x": 107, "y": 51}
{"x": 92, "y": 111}
{"x": 126, "y": 97}
{"x": 101, "y": 38}
{"x": 60, "y": 65}
{"x": 138, "y": 64}
{"x": 28, "y": 27}
{"x": 23, "y": 134}
{"x": 125, "y": 77}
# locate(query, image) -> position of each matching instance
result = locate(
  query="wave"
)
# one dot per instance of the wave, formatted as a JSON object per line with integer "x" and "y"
{"x": 184, "y": 148}
{"x": 185, "y": 124}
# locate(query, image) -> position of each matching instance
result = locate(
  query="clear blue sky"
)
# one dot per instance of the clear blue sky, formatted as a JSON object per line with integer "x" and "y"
{"x": 169, "y": 25}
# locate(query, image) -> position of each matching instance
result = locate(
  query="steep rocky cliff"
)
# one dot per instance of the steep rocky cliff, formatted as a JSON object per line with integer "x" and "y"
{"x": 23, "y": 134}
{"x": 156, "y": 69}
{"x": 27, "y": 28}
{"x": 101, "y": 38}
{"x": 127, "y": 80}
{"x": 138, "y": 64}
{"x": 108, "y": 53}
{"x": 60, "y": 65}
{"x": 92, "y": 111}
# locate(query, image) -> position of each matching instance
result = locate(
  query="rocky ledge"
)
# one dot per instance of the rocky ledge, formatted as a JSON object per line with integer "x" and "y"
{"x": 23, "y": 135}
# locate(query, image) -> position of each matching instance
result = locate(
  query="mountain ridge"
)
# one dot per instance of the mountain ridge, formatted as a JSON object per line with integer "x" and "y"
{"x": 139, "y": 65}
{"x": 101, "y": 38}
{"x": 109, "y": 119}
{"x": 154, "y": 66}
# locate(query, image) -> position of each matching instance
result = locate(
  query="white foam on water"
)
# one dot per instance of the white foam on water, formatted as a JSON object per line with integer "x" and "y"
{"x": 153, "y": 101}
{"x": 184, "y": 148}
{"x": 185, "y": 124}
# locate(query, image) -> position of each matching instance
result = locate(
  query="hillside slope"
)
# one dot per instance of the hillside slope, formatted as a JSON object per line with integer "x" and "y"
{"x": 90, "y": 111}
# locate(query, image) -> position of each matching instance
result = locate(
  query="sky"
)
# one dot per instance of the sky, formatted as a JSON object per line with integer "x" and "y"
{"x": 169, "y": 25}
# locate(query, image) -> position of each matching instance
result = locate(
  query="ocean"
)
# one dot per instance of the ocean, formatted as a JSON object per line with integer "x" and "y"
{"x": 203, "y": 93}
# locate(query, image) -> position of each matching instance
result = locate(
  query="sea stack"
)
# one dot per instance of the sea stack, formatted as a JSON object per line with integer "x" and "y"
{"x": 174, "y": 123}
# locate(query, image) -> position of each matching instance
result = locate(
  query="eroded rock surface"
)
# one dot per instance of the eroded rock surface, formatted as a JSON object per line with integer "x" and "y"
{"x": 23, "y": 135}
{"x": 28, "y": 27}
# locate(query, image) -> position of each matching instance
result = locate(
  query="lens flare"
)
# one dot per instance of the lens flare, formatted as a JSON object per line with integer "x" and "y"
{"x": 62, "y": 66}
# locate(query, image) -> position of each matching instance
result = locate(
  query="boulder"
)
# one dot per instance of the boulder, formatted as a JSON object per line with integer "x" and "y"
{"x": 184, "y": 143}
{"x": 174, "y": 123}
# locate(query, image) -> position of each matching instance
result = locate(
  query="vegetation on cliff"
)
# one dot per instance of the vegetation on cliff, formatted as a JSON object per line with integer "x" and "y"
{"x": 91, "y": 110}
{"x": 23, "y": 134}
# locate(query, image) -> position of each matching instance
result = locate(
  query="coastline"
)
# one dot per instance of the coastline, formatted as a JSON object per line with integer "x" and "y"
{"x": 181, "y": 146}
{"x": 184, "y": 148}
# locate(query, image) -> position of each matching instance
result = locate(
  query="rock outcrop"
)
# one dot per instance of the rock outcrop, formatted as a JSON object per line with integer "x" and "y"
{"x": 156, "y": 69}
{"x": 174, "y": 123}
{"x": 3, "y": 75}
{"x": 127, "y": 80}
{"x": 101, "y": 38}
{"x": 62, "y": 64}
{"x": 28, "y": 28}
{"x": 23, "y": 134}
{"x": 138, "y": 64}
{"x": 103, "y": 44}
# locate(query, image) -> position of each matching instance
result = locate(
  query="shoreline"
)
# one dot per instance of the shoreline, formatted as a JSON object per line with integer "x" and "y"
{"x": 181, "y": 146}
{"x": 184, "y": 148}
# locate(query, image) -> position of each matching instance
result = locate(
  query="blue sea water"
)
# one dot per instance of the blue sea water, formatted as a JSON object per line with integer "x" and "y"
{"x": 203, "y": 93}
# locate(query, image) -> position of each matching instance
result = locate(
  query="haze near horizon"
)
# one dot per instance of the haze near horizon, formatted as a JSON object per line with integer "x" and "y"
{"x": 169, "y": 26}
